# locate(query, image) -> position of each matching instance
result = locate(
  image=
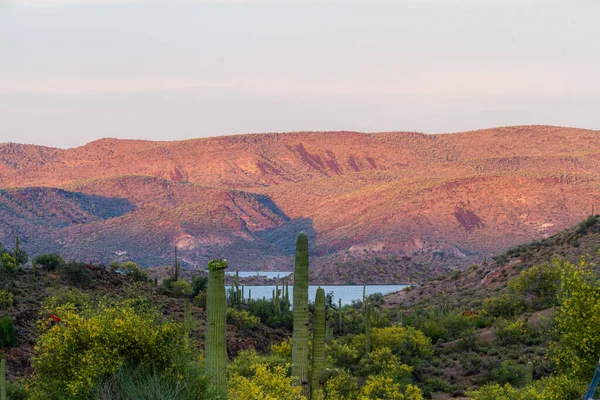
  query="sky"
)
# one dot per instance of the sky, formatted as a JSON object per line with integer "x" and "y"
{"x": 73, "y": 71}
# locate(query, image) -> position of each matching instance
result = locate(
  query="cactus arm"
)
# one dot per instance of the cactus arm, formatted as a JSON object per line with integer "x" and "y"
{"x": 529, "y": 374}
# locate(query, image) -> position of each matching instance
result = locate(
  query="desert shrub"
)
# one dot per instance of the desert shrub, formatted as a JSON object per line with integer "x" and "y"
{"x": 8, "y": 264}
{"x": 342, "y": 386}
{"x": 131, "y": 269}
{"x": 409, "y": 344}
{"x": 380, "y": 387}
{"x": 78, "y": 274}
{"x": 471, "y": 363}
{"x": 505, "y": 305}
{"x": 343, "y": 355}
{"x": 199, "y": 284}
{"x": 71, "y": 296}
{"x": 181, "y": 288}
{"x": 242, "y": 319}
{"x": 540, "y": 280}
{"x": 383, "y": 362}
{"x": 8, "y": 332}
{"x": 442, "y": 326}
{"x": 6, "y": 299}
{"x": 508, "y": 332}
{"x": 559, "y": 387}
{"x": 49, "y": 262}
{"x": 139, "y": 382}
{"x": 265, "y": 383}
{"x": 282, "y": 349}
{"x": 509, "y": 372}
{"x": 94, "y": 341}
{"x": 200, "y": 299}
{"x": 243, "y": 362}
{"x": 16, "y": 391}
{"x": 175, "y": 288}
{"x": 265, "y": 310}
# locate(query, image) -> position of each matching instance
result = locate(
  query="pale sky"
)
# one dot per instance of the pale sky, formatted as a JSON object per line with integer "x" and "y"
{"x": 72, "y": 71}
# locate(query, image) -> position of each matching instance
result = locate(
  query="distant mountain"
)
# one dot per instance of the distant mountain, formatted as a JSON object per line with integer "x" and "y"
{"x": 434, "y": 202}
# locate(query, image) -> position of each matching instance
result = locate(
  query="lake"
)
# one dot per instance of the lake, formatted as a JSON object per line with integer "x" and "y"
{"x": 268, "y": 274}
{"x": 345, "y": 292}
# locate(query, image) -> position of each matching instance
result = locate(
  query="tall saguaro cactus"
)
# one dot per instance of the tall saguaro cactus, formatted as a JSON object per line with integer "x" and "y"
{"x": 3, "y": 379}
{"x": 340, "y": 317}
{"x": 318, "y": 358}
{"x": 176, "y": 266}
{"x": 300, "y": 334}
{"x": 216, "y": 343}
{"x": 368, "y": 328}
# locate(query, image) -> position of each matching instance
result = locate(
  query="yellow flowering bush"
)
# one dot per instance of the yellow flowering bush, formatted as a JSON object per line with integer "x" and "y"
{"x": 92, "y": 342}
{"x": 383, "y": 388}
{"x": 266, "y": 384}
{"x": 283, "y": 349}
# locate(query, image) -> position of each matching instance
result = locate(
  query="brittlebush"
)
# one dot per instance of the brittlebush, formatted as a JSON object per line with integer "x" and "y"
{"x": 266, "y": 384}
{"x": 93, "y": 342}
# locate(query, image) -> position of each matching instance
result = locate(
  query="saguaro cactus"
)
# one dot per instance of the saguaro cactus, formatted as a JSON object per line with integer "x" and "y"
{"x": 529, "y": 374}
{"x": 300, "y": 334}
{"x": 176, "y": 266}
{"x": 187, "y": 319}
{"x": 216, "y": 344}
{"x": 368, "y": 328}
{"x": 3, "y": 379}
{"x": 238, "y": 299}
{"x": 340, "y": 317}
{"x": 318, "y": 358}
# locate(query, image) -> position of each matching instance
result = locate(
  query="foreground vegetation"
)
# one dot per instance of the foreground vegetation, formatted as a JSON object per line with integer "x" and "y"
{"x": 536, "y": 339}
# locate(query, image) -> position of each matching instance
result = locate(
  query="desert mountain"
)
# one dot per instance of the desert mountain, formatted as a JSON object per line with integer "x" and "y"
{"x": 430, "y": 202}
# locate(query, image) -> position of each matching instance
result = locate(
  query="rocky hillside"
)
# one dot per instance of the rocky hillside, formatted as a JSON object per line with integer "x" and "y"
{"x": 445, "y": 201}
{"x": 478, "y": 282}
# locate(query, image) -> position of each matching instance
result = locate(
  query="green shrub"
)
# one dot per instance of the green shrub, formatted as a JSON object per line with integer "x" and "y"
{"x": 542, "y": 281}
{"x": 409, "y": 344}
{"x": 131, "y": 269}
{"x": 200, "y": 300}
{"x": 383, "y": 362}
{"x": 78, "y": 274}
{"x": 471, "y": 363}
{"x": 175, "y": 288}
{"x": 509, "y": 372}
{"x": 8, "y": 264}
{"x": 16, "y": 391}
{"x": 6, "y": 299}
{"x": 199, "y": 284}
{"x": 242, "y": 319}
{"x": 8, "y": 332}
{"x": 265, "y": 310}
{"x": 505, "y": 305}
{"x": 143, "y": 383}
{"x": 508, "y": 332}
{"x": 49, "y": 262}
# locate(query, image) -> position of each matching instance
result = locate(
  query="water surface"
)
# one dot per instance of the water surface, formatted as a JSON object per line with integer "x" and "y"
{"x": 345, "y": 292}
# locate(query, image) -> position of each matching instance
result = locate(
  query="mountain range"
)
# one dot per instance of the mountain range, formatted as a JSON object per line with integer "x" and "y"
{"x": 405, "y": 205}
